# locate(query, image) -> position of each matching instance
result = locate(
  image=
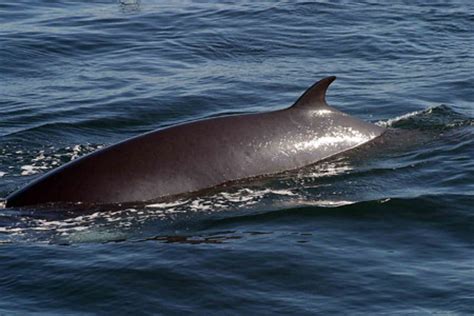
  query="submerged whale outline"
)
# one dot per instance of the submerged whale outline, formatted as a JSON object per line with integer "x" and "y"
{"x": 194, "y": 156}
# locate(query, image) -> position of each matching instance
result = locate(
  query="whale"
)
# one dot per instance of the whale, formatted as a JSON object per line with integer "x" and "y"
{"x": 203, "y": 154}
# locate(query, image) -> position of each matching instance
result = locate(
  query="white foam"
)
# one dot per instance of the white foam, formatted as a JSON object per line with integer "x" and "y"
{"x": 167, "y": 205}
{"x": 328, "y": 170}
{"x": 31, "y": 169}
{"x": 45, "y": 160}
{"x": 10, "y": 229}
{"x": 390, "y": 122}
{"x": 283, "y": 192}
{"x": 216, "y": 202}
{"x": 324, "y": 203}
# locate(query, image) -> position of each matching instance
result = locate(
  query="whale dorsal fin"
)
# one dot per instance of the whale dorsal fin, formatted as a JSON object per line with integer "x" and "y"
{"x": 315, "y": 96}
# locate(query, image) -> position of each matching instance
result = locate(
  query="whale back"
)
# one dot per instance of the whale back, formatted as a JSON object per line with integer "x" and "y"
{"x": 203, "y": 154}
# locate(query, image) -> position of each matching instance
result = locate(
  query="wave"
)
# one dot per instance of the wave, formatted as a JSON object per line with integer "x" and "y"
{"x": 223, "y": 209}
{"x": 432, "y": 118}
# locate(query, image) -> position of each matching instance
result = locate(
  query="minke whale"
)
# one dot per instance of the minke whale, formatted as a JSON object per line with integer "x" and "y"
{"x": 203, "y": 154}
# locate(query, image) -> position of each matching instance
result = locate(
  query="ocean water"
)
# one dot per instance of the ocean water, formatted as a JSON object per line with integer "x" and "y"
{"x": 387, "y": 229}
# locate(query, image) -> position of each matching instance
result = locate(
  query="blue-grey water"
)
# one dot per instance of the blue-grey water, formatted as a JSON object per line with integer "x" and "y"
{"x": 386, "y": 230}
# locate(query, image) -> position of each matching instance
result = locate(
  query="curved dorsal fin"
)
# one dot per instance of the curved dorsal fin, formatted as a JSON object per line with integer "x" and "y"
{"x": 315, "y": 96}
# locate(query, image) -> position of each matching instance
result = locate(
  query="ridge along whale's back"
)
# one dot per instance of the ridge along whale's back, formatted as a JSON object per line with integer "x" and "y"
{"x": 203, "y": 154}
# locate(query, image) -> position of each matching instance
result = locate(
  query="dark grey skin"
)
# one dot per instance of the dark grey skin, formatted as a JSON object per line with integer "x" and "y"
{"x": 204, "y": 154}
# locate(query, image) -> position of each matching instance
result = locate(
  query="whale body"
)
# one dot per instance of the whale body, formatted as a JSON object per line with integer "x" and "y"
{"x": 203, "y": 154}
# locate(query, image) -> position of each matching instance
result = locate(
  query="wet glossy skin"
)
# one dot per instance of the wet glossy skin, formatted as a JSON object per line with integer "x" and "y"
{"x": 204, "y": 154}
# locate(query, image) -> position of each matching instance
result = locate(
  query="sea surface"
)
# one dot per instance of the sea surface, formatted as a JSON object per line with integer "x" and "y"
{"x": 387, "y": 229}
